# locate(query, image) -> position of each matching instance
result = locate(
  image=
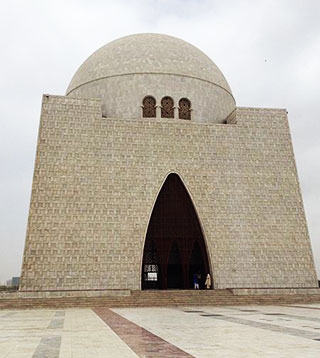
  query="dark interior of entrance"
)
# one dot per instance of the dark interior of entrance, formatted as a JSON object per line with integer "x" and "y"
{"x": 174, "y": 248}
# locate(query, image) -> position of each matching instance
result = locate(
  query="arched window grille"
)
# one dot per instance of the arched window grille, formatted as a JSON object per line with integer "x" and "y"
{"x": 167, "y": 110}
{"x": 149, "y": 107}
{"x": 184, "y": 108}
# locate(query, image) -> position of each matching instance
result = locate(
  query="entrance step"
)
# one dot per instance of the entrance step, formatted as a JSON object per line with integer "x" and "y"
{"x": 158, "y": 299}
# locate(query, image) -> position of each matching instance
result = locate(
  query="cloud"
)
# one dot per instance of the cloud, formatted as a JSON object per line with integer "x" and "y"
{"x": 268, "y": 50}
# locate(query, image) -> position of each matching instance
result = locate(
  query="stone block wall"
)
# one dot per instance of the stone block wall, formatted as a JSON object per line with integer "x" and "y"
{"x": 121, "y": 94}
{"x": 96, "y": 180}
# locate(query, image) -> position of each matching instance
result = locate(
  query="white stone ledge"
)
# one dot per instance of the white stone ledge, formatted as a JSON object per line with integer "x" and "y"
{"x": 275, "y": 291}
{"x": 55, "y": 294}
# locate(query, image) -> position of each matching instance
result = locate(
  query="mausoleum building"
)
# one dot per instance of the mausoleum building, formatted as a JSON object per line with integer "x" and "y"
{"x": 147, "y": 172}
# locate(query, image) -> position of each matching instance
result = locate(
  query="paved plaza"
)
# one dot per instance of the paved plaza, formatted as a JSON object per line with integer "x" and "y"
{"x": 201, "y": 332}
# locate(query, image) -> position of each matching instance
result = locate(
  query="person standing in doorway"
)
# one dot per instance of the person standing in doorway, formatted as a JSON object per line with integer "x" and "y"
{"x": 195, "y": 281}
{"x": 208, "y": 282}
{"x": 199, "y": 279}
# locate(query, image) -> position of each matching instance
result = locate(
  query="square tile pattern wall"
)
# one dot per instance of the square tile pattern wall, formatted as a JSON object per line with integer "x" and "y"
{"x": 96, "y": 180}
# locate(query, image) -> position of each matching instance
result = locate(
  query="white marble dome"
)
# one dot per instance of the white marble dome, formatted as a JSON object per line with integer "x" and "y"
{"x": 127, "y": 70}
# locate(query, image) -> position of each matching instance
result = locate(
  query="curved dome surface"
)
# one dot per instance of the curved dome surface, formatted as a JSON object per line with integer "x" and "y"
{"x": 126, "y": 70}
{"x": 148, "y": 53}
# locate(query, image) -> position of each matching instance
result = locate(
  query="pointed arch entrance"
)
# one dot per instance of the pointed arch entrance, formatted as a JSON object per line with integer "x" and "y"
{"x": 174, "y": 247}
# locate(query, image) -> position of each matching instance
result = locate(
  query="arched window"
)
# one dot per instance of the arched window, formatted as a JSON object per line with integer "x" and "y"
{"x": 184, "y": 108}
{"x": 149, "y": 107}
{"x": 167, "y": 110}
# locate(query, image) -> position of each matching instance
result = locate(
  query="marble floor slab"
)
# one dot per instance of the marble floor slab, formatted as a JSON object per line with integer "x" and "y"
{"x": 184, "y": 332}
{"x": 58, "y": 334}
{"x": 249, "y": 331}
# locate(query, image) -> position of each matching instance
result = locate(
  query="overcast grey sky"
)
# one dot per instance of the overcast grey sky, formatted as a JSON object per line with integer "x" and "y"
{"x": 269, "y": 51}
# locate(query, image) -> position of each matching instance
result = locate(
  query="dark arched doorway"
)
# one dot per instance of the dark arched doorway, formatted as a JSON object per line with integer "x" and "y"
{"x": 174, "y": 247}
{"x": 174, "y": 268}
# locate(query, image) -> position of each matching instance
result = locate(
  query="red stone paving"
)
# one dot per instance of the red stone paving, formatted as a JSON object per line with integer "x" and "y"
{"x": 142, "y": 342}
